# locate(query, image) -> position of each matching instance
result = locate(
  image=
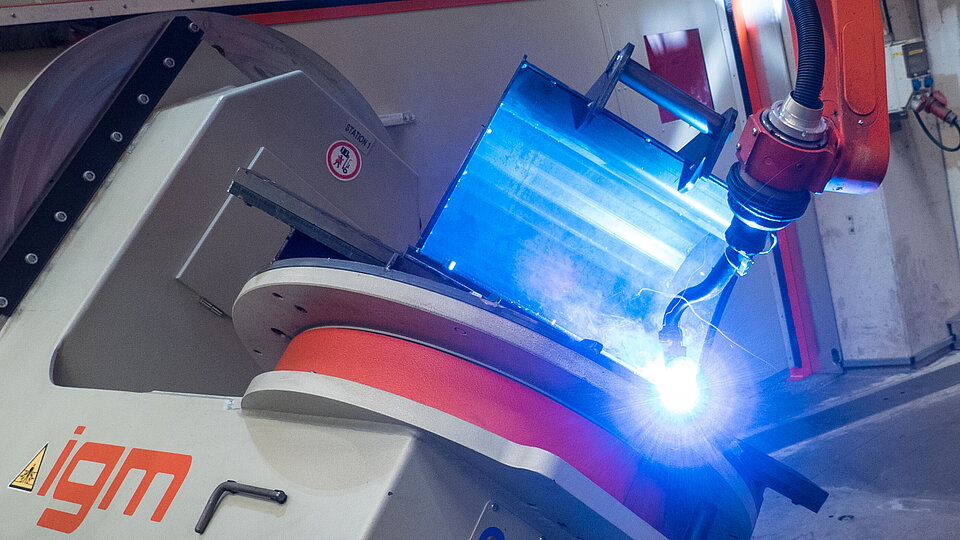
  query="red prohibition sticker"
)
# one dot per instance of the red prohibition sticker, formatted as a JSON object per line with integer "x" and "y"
{"x": 343, "y": 160}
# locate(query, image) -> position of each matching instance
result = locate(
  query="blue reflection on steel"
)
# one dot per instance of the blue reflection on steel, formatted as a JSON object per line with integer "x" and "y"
{"x": 584, "y": 229}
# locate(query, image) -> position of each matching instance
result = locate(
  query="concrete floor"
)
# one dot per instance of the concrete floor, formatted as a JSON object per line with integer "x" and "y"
{"x": 885, "y": 444}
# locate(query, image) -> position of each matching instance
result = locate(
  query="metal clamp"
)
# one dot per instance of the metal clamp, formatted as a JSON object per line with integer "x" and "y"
{"x": 700, "y": 154}
{"x": 233, "y": 487}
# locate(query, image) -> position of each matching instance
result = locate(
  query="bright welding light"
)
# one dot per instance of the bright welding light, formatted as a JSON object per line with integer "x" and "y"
{"x": 678, "y": 386}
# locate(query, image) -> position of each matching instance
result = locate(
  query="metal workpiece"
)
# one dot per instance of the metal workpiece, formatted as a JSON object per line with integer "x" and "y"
{"x": 622, "y": 68}
{"x": 699, "y": 155}
{"x": 704, "y": 119}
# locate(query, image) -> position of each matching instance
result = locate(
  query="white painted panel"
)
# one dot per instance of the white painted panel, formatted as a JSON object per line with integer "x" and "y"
{"x": 922, "y": 232}
{"x": 450, "y": 66}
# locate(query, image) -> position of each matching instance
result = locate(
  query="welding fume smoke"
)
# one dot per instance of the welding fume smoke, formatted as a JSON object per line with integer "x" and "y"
{"x": 678, "y": 418}
{"x": 622, "y": 312}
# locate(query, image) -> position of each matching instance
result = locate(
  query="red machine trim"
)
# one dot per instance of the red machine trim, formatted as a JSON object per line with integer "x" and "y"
{"x": 379, "y": 8}
{"x": 854, "y": 93}
{"x": 747, "y": 39}
{"x": 802, "y": 311}
{"x": 789, "y": 242}
{"x": 479, "y": 396}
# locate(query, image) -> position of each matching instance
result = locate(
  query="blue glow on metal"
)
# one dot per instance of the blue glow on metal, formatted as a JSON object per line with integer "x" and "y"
{"x": 583, "y": 229}
{"x": 677, "y": 384}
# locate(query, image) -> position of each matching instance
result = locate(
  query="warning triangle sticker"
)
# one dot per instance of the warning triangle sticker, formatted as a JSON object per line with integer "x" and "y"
{"x": 28, "y": 476}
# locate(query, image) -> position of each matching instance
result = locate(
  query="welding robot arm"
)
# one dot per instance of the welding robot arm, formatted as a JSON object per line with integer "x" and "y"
{"x": 830, "y": 134}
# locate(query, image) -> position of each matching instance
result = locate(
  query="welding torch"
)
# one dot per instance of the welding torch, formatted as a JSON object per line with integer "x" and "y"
{"x": 783, "y": 152}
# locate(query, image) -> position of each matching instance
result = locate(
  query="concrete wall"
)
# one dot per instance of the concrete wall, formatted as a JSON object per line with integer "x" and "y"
{"x": 892, "y": 256}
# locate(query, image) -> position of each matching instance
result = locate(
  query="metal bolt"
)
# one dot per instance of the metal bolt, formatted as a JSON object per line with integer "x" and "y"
{"x": 738, "y": 146}
{"x": 60, "y": 216}
{"x": 754, "y": 131}
{"x": 89, "y": 176}
{"x": 116, "y": 136}
{"x": 31, "y": 258}
{"x": 168, "y": 62}
{"x": 494, "y": 507}
{"x": 143, "y": 99}
{"x": 3, "y": 302}
{"x": 193, "y": 27}
{"x": 860, "y": 122}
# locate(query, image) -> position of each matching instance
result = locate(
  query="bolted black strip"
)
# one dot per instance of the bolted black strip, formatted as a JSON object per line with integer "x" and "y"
{"x": 79, "y": 180}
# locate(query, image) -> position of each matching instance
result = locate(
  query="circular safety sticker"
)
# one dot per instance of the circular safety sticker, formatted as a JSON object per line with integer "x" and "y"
{"x": 343, "y": 160}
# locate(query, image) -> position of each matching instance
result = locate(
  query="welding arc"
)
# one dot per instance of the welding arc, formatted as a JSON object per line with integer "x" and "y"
{"x": 721, "y": 273}
{"x": 935, "y": 141}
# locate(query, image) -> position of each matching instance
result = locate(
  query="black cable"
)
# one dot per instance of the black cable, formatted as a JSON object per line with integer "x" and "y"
{"x": 932, "y": 139}
{"x": 810, "y": 53}
{"x": 886, "y": 15}
{"x": 738, "y": 55}
{"x": 719, "y": 276}
{"x": 718, "y": 315}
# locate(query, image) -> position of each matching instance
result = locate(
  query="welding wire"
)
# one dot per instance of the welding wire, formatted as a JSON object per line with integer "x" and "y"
{"x": 716, "y": 280}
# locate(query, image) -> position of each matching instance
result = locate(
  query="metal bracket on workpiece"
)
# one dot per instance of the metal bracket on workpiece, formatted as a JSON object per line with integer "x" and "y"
{"x": 83, "y": 174}
{"x": 700, "y": 154}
